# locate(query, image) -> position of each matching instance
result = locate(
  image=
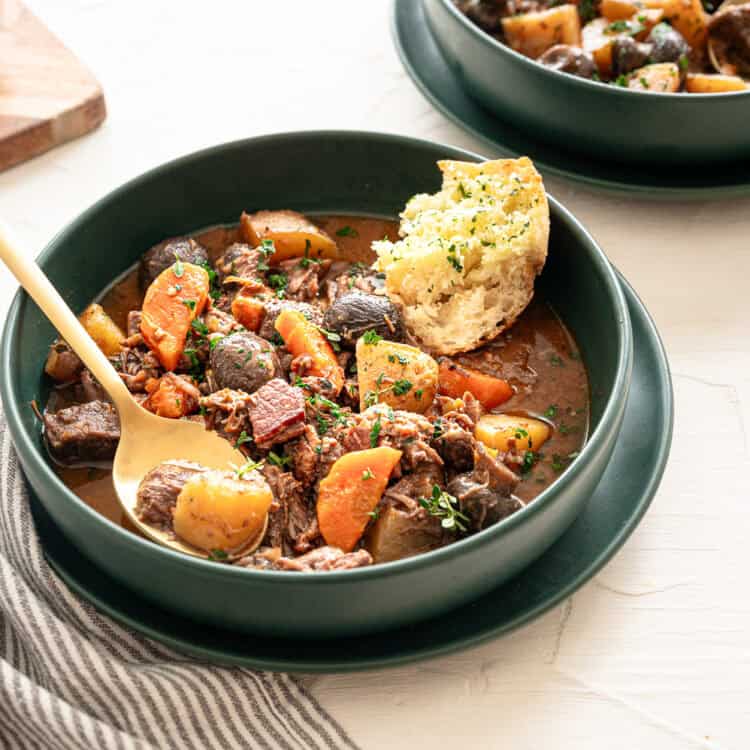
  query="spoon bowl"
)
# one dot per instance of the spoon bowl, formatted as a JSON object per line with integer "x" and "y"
{"x": 146, "y": 440}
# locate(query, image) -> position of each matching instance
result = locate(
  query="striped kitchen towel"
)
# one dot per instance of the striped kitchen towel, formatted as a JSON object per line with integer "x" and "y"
{"x": 72, "y": 678}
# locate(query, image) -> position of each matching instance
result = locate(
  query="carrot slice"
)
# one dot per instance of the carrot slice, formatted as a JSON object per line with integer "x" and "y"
{"x": 248, "y": 311}
{"x": 351, "y": 492}
{"x": 301, "y": 336}
{"x": 174, "y": 300}
{"x": 455, "y": 380}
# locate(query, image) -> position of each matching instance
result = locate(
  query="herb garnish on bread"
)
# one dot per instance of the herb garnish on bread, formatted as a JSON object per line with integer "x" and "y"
{"x": 464, "y": 269}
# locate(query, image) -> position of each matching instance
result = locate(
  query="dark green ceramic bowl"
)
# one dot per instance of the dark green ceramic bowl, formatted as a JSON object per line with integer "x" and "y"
{"x": 343, "y": 172}
{"x": 578, "y": 115}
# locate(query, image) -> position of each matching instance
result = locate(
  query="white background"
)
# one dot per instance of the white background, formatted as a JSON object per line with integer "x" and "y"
{"x": 653, "y": 653}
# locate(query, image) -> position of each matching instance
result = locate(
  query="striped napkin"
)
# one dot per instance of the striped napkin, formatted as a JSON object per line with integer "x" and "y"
{"x": 72, "y": 678}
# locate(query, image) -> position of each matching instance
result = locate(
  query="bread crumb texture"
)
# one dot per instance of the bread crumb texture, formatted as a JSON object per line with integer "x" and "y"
{"x": 464, "y": 269}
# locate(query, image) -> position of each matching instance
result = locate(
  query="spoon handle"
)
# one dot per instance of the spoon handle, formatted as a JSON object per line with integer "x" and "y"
{"x": 40, "y": 289}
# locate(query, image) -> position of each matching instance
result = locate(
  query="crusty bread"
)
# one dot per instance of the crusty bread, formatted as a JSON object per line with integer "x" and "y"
{"x": 464, "y": 269}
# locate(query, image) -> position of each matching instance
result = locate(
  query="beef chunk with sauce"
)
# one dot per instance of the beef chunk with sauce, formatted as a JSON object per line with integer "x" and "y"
{"x": 275, "y": 306}
{"x": 83, "y": 433}
{"x": 403, "y": 527}
{"x": 162, "y": 256}
{"x": 277, "y": 413}
{"x": 239, "y": 263}
{"x": 228, "y": 412}
{"x": 408, "y": 432}
{"x": 320, "y": 559}
{"x": 292, "y": 523}
{"x": 63, "y": 364}
{"x": 158, "y": 491}
{"x": 485, "y": 494}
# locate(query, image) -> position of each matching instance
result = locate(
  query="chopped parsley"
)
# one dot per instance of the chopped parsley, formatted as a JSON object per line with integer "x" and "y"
{"x": 247, "y": 467}
{"x": 178, "y": 268}
{"x": 367, "y": 474}
{"x": 190, "y": 304}
{"x": 556, "y": 361}
{"x": 453, "y": 258}
{"x": 617, "y": 26}
{"x": 375, "y": 433}
{"x": 347, "y": 231}
{"x": 278, "y": 460}
{"x": 587, "y": 10}
{"x": 464, "y": 192}
{"x": 242, "y": 439}
{"x": 333, "y": 338}
{"x": 374, "y": 514}
{"x": 400, "y": 358}
{"x": 200, "y": 327}
{"x": 278, "y": 282}
{"x": 402, "y": 386}
{"x": 371, "y": 337}
{"x": 217, "y": 554}
{"x": 551, "y": 411}
{"x": 437, "y": 430}
{"x": 445, "y": 507}
{"x": 267, "y": 249}
{"x": 418, "y": 393}
{"x": 307, "y": 260}
{"x": 529, "y": 459}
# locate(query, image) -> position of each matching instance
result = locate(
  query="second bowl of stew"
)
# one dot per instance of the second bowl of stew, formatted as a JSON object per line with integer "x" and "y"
{"x": 442, "y": 537}
{"x": 623, "y": 80}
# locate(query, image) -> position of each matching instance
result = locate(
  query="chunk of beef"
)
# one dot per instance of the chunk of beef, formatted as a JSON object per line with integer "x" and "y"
{"x": 408, "y": 432}
{"x": 133, "y": 327}
{"x": 275, "y": 306}
{"x": 403, "y": 527}
{"x": 303, "y": 280}
{"x": 312, "y": 456}
{"x": 292, "y": 524}
{"x": 277, "y": 413}
{"x": 453, "y": 434}
{"x": 344, "y": 277}
{"x": 83, "y": 433}
{"x": 158, "y": 491}
{"x": 227, "y": 412}
{"x": 485, "y": 493}
{"x": 239, "y": 263}
{"x": 219, "y": 322}
{"x": 137, "y": 364}
{"x": 162, "y": 256}
{"x": 325, "y": 558}
{"x": 63, "y": 364}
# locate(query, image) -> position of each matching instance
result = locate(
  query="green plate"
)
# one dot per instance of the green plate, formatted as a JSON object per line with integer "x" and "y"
{"x": 609, "y": 518}
{"x": 431, "y": 73}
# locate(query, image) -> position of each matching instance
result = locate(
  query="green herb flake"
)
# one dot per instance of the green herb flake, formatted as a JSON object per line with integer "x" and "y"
{"x": 178, "y": 269}
{"x": 190, "y": 304}
{"x": 242, "y": 439}
{"x": 367, "y": 474}
{"x": 371, "y": 337}
{"x": 402, "y": 386}
{"x": 277, "y": 460}
{"x": 551, "y": 411}
{"x": 375, "y": 433}
{"x": 218, "y": 555}
{"x": 445, "y": 507}
{"x": 347, "y": 231}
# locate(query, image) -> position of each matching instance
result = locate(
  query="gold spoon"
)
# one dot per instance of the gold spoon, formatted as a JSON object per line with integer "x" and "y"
{"x": 712, "y": 55}
{"x": 145, "y": 439}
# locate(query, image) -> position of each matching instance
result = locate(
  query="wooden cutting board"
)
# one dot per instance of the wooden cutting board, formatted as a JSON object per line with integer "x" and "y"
{"x": 47, "y": 96}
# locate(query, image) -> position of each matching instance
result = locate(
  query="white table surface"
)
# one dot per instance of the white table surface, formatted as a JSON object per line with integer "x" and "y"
{"x": 655, "y": 651}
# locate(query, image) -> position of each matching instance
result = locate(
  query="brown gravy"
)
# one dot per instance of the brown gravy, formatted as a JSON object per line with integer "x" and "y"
{"x": 538, "y": 355}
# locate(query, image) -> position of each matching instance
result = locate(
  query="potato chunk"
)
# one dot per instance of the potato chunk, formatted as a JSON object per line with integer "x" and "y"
{"x": 532, "y": 34}
{"x": 292, "y": 234}
{"x": 399, "y": 375}
{"x": 704, "y": 83}
{"x": 218, "y": 511}
{"x": 658, "y": 77}
{"x": 505, "y": 432}
{"x": 102, "y": 329}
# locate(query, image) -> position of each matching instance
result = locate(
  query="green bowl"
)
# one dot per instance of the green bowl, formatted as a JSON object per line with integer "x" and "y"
{"x": 342, "y": 172}
{"x": 578, "y": 115}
